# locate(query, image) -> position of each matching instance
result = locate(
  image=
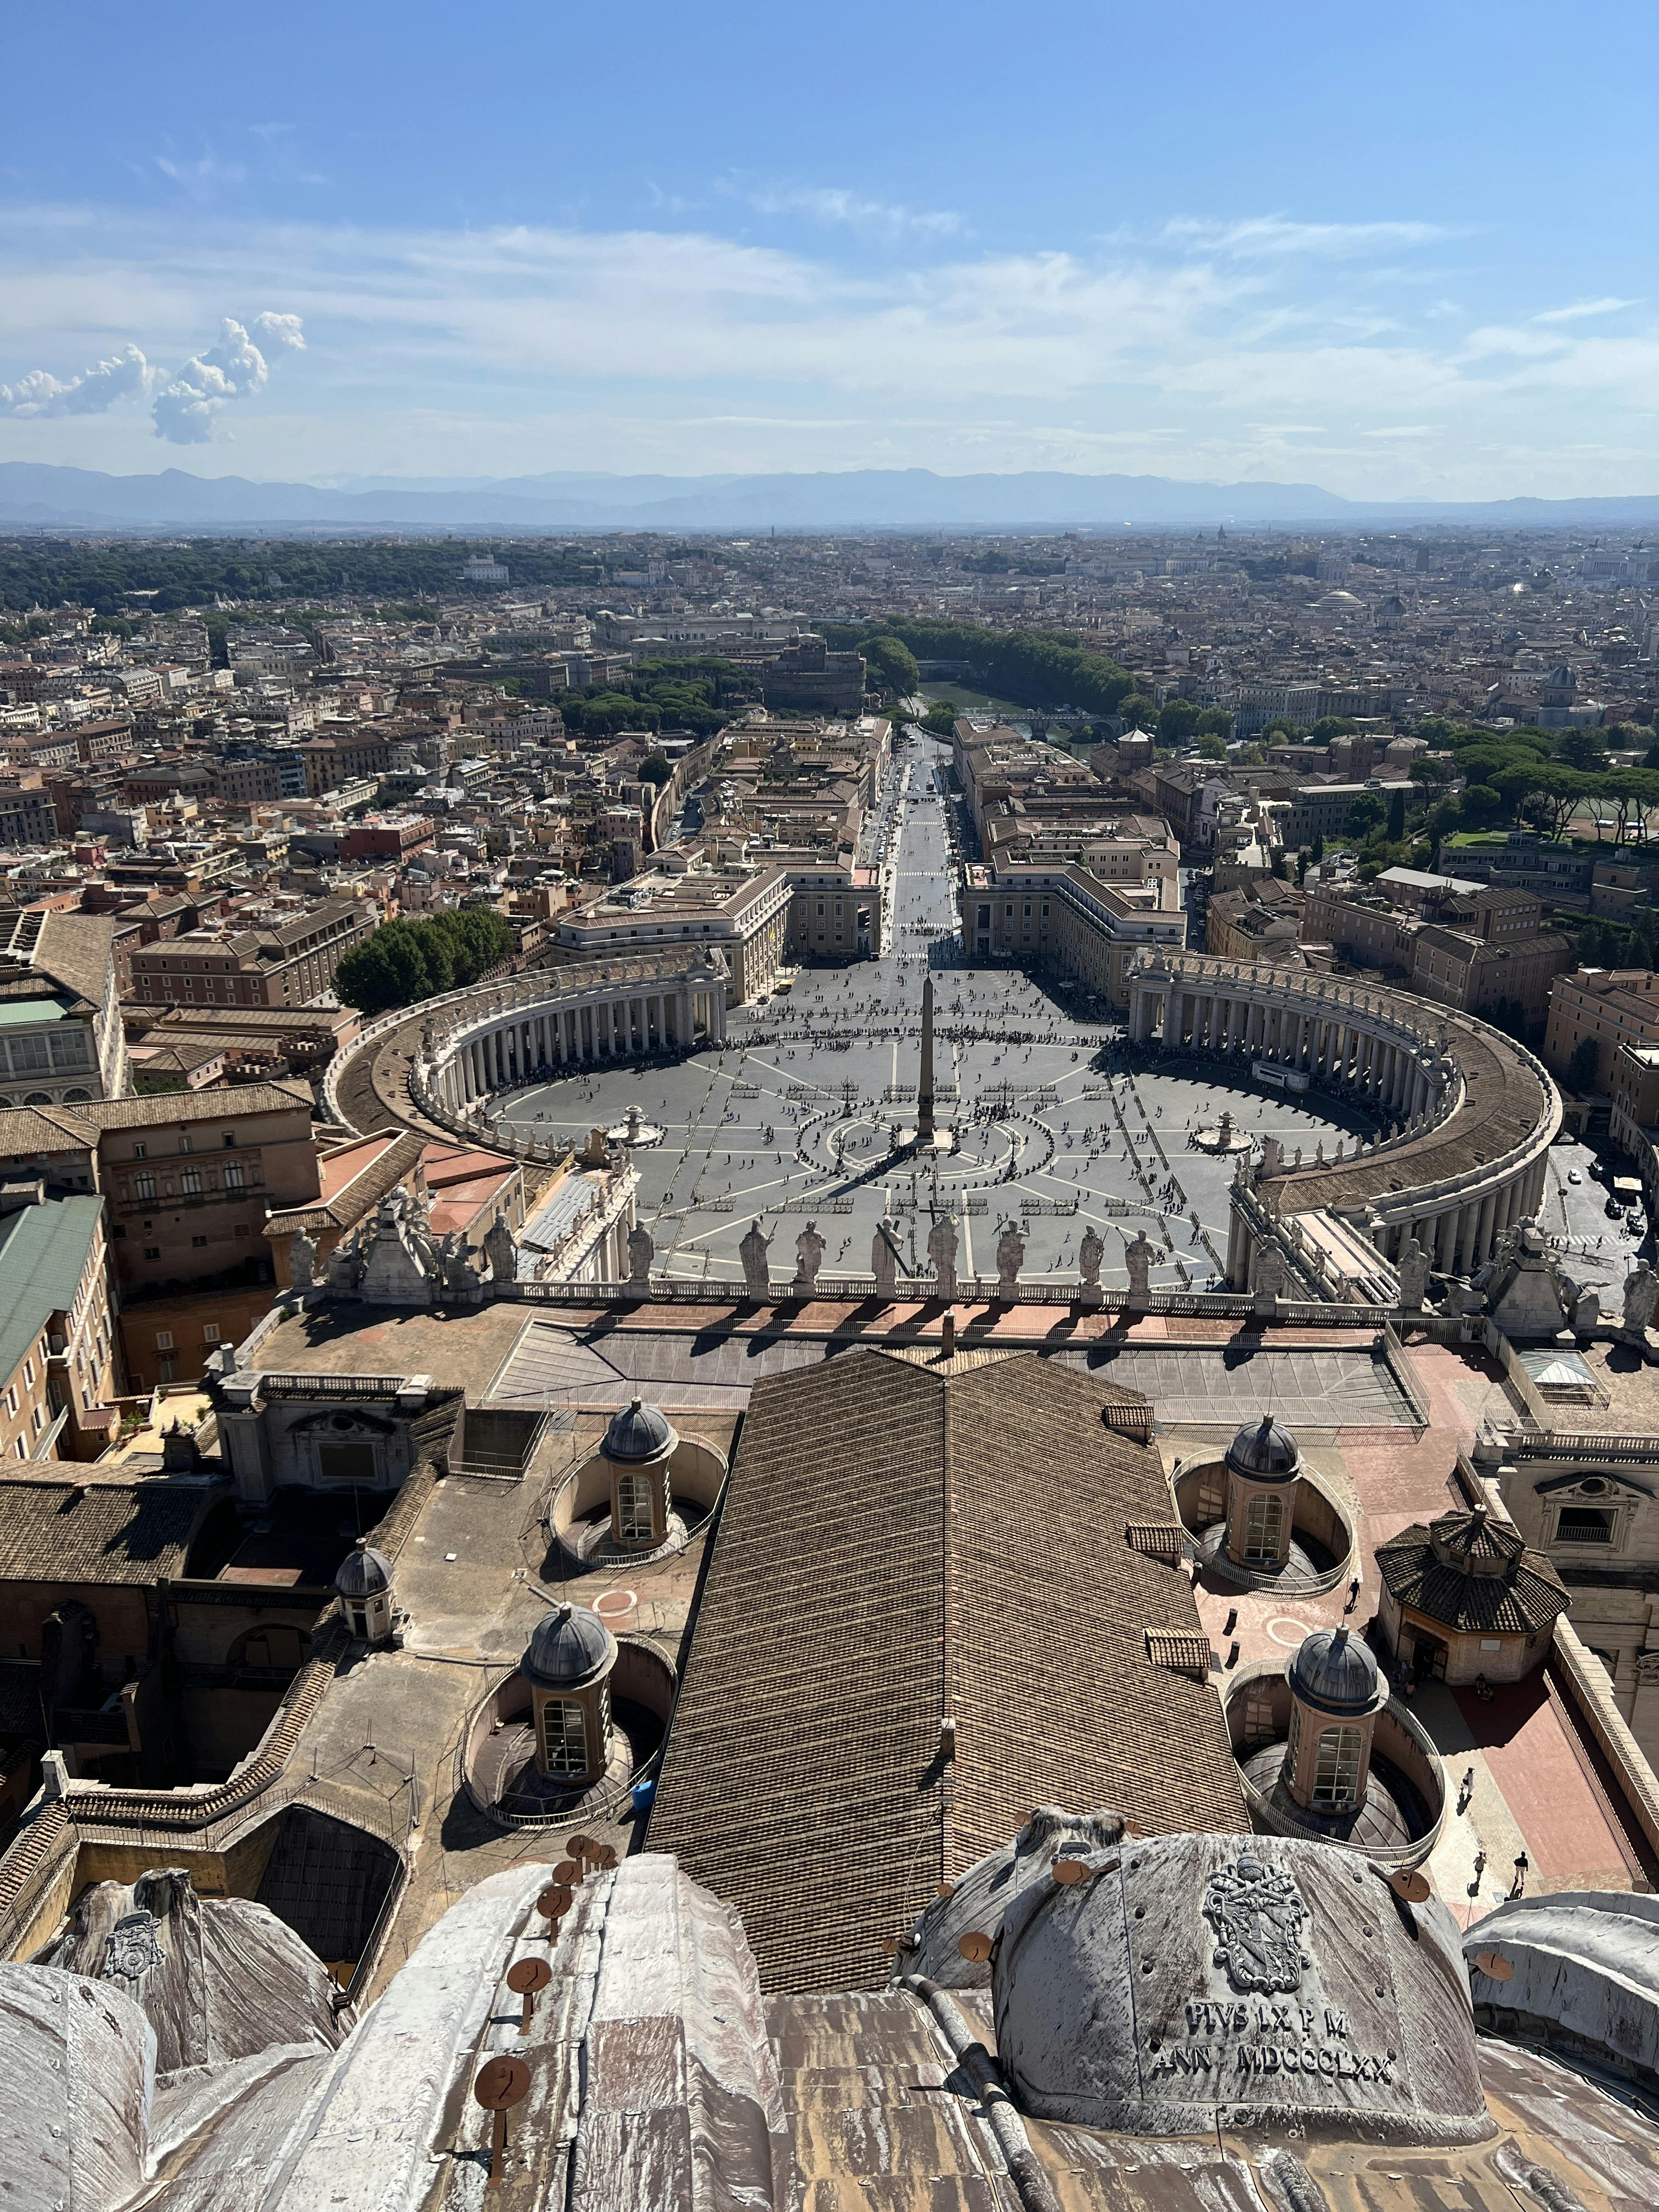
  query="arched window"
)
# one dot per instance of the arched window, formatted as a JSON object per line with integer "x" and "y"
{"x": 564, "y": 1736}
{"x": 634, "y": 1508}
{"x": 1264, "y": 1524}
{"x": 1336, "y": 1769}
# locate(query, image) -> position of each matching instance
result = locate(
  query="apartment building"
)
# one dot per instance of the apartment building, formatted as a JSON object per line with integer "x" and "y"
{"x": 288, "y": 964}
{"x": 1260, "y": 918}
{"x": 1611, "y": 1007}
{"x": 27, "y": 816}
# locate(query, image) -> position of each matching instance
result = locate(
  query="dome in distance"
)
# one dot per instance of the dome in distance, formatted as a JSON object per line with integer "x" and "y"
{"x": 364, "y": 1572}
{"x": 1262, "y": 1448}
{"x": 638, "y": 1433}
{"x": 1334, "y": 1672}
{"x": 570, "y": 1646}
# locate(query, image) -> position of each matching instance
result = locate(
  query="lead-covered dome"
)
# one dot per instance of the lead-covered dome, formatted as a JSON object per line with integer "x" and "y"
{"x": 640, "y": 1432}
{"x": 1265, "y": 1451}
{"x": 570, "y": 1646}
{"x": 364, "y": 1572}
{"x": 1334, "y": 1672}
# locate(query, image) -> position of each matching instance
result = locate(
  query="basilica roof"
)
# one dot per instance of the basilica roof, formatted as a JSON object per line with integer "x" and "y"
{"x": 901, "y": 1548}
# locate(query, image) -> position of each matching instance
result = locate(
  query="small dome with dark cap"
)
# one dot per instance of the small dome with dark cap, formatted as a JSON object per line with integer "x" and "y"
{"x": 364, "y": 1572}
{"x": 1263, "y": 1449}
{"x": 1334, "y": 1672}
{"x": 638, "y": 1433}
{"x": 569, "y": 1647}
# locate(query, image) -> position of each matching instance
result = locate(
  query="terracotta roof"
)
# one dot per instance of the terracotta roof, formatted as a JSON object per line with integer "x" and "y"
{"x": 1184, "y": 1652}
{"x": 899, "y": 1546}
{"x": 361, "y": 1188}
{"x": 1468, "y": 1571}
{"x": 74, "y": 949}
{"x": 97, "y": 1532}
{"x": 1157, "y": 1540}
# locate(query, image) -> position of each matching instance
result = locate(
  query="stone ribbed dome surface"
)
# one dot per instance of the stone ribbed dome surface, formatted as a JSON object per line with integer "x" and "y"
{"x": 1262, "y": 1448}
{"x": 569, "y": 1647}
{"x": 364, "y": 1572}
{"x": 638, "y": 1433}
{"x": 1335, "y": 1673}
{"x": 1247, "y": 1982}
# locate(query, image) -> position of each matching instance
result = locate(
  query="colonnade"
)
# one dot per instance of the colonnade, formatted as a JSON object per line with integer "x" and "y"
{"x": 1374, "y": 1047}
{"x": 599, "y": 1026}
{"x": 1391, "y": 1071}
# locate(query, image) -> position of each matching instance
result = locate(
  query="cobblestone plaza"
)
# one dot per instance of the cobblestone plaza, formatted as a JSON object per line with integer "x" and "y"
{"x": 1057, "y": 1125}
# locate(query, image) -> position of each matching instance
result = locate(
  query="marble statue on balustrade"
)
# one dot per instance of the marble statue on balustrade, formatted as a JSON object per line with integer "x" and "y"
{"x": 302, "y": 1262}
{"x": 457, "y": 1271}
{"x": 885, "y": 1259}
{"x": 399, "y": 1264}
{"x": 1641, "y": 1300}
{"x": 809, "y": 1257}
{"x": 500, "y": 1249}
{"x": 1273, "y": 1278}
{"x": 1011, "y": 1258}
{"x": 942, "y": 1251}
{"x": 1140, "y": 1258}
{"x": 641, "y": 1252}
{"x": 1091, "y": 1255}
{"x": 1413, "y": 1269}
{"x": 757, "y": 1271}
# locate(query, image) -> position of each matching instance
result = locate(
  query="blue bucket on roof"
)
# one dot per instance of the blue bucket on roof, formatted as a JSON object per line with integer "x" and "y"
{"x": 643, "y": 1794}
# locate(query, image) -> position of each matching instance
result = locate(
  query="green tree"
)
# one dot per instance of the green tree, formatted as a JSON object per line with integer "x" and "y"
{"x": 1177, "y": 720}
{"x": 1650, "y": 758}
{"x": 1331, "y": 726}
{"x": 1211, "y": 745}
{"x": 1431, "y": 768}
{"x": 1583, "y": 1065}
{"x": 1214, "y": 722}
{"x": 1138, "y": 713}
{"x": 1365, "y": 815}
{"x": 653, "y": 768}
{"x": 890, "y": 665}
{"x": 1582, "y": 749}
{"x": 1396, "y": 815}
{"x": 1480, "y": 805}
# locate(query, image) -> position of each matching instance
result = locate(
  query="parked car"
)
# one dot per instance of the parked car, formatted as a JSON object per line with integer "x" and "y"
{"x": 1636, "y": 1221}
{"x": 1613, "y": 1209}
{"x": 1573, "y": 1175}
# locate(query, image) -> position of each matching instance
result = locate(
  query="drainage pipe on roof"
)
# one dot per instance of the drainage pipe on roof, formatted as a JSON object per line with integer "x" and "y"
{"x": 1037, "y": 2191}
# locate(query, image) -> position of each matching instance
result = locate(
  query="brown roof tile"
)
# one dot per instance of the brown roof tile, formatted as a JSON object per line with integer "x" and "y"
{"x": 898, "y": 1546}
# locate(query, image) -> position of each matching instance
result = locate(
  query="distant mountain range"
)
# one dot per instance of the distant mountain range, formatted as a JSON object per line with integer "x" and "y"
{"x": 33, "y": 495}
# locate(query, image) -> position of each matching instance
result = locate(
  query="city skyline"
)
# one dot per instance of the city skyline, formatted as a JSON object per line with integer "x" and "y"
{"x": 1350, "y": 255}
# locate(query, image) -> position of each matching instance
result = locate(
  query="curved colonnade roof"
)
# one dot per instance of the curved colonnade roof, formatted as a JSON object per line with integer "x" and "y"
{"x": 1507, "y": 1098}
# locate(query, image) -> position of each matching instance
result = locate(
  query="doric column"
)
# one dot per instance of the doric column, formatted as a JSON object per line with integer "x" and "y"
{"x": 1445, "y": 1237}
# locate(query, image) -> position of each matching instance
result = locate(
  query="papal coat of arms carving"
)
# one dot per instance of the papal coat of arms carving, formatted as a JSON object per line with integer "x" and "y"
{"x": 131, "y": 1950}
{"x": 1258, "y": 1916}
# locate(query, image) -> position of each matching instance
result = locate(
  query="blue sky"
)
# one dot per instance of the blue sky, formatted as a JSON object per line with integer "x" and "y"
{"x": 1403, "y": 252}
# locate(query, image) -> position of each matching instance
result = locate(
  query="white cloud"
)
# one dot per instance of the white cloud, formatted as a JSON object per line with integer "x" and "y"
{"x": 1581, "y": 308}
{"x": 1273, "y": 237}
{"x": 125, "y": 373}
{"x": 838, "y": 204}
{"x": 186, "y": 405}
{"x": 184, "y": 410}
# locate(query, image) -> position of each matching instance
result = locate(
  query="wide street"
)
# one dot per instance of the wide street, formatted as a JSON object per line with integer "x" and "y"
{"x": 794, "y": 1121}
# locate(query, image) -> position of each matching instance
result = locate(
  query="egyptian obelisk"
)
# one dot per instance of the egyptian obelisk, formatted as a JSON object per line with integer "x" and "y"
{"x": 925, "y": 1088}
